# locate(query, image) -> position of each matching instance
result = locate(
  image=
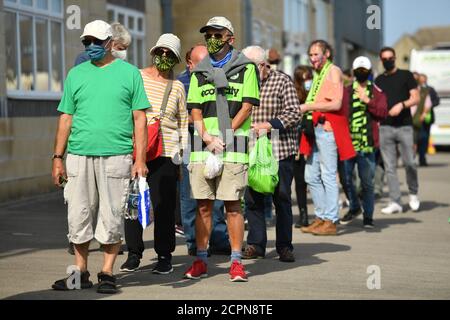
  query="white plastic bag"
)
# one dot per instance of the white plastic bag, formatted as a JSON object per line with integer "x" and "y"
{"x": 145, "y": 210}
{"x": 213, "y": 167}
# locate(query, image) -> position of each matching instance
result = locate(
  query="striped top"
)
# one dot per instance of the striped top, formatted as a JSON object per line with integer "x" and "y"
{"x": 174, "y": 125}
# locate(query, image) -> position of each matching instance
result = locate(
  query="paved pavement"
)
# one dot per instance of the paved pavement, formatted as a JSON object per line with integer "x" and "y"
{"x": 411, "y": 250}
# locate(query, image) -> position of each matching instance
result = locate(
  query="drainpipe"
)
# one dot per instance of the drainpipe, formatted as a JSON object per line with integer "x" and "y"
{"x": 247, "y": 23}
{"x": 167, "y": 19}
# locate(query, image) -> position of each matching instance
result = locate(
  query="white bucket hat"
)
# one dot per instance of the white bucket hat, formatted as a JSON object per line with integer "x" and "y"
{"x": 169, "y": 41}
{"x": 218, "y": 23}
{"x": 98, "y": 29}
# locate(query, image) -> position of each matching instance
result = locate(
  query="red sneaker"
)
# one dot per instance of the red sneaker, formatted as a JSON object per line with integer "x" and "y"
{"x": 237, "y": 272}
{"x": 198, "y": 270}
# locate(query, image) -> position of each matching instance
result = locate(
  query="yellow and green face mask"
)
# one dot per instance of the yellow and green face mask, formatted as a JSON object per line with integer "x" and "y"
{"x": 214, "y": 45}
{"x": 164, "y": 63}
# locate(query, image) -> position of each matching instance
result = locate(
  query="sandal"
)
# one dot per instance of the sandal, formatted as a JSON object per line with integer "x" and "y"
{"x": 106, "y": 283}
{"x": 61, "y": 285}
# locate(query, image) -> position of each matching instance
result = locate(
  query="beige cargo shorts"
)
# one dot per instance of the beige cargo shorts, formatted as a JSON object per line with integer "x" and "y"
{"x": 230, "y": 186}
{"x": 96, "y": 194}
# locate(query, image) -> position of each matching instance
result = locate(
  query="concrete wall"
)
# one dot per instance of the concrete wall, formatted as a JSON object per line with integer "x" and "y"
{"x": 26, "y": 142}
{"x": 27, "y": 169}
{"x": 351, "y": 32}
{"x": 153, "y": 24}
{"x": 2, "y": 57}
{"x": 271, "y": 14}
{"x": 90, "y": 10}
{"x": 190, "y": 15}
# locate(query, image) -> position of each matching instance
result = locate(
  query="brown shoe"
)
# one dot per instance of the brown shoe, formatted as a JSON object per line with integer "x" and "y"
{"x": 328, "y": 228}
{"x": 309, "y": 229}
{"x": 250, "y": 252}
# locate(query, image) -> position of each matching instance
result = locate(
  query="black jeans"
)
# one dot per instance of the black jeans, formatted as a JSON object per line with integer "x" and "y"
{"x": 162, "y": 180}
{"x": 257, "y": 234}
{"x": 300, "y": 184}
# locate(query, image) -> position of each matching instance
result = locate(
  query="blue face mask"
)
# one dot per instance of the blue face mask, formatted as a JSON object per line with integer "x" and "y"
{"x": 308, "y": 85}
{"x": 96, "y": 52}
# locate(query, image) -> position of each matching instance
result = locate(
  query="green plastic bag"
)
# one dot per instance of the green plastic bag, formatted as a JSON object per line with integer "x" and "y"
{"x": 263, "y": 167}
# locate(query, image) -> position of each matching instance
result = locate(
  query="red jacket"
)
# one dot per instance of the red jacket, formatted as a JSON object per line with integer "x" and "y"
{"x": 339, "y": 122}
{"x": 377, "y": 107}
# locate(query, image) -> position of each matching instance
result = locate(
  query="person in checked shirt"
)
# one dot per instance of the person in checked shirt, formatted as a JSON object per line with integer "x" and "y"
{"x": 279, "y": 110}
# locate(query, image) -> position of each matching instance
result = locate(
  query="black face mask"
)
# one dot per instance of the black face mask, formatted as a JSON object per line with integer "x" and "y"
{"x": 389, "y": 65}
{"x": 361, "y": 76}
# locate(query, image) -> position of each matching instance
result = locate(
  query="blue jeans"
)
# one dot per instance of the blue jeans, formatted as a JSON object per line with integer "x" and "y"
{"x": 219, "y": 235}
{"x": 321, "y": 173}
{"x": 366, "y": 172}
{"x": 256, "y": 204}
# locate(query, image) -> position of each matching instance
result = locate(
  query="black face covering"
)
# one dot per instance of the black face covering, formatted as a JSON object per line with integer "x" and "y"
{"x": 361, "y": 76}
{"x": 389, "y": 65}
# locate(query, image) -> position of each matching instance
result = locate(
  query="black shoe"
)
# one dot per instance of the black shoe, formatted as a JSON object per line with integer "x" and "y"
{"x": 61, "y": 285}
{"x": 131, "y": 264}
{"x": 71, "y": 249}
{"x": 368, "y": 224}
{"x": 352, "y": 214}
{"x": 164, "y": 266}
{"x": 286, "y": 255}
{"x": 302, "y": 220}
{"x": 106, "y": 283}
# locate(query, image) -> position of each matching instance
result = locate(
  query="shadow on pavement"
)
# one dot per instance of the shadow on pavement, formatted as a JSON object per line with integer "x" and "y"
{"x": 380, "y": 224}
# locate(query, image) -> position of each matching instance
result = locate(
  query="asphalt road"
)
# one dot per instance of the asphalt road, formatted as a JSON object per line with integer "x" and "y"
{"x": 407, "y": 256}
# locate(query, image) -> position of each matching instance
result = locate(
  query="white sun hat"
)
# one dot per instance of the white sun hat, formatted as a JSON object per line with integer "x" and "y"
{"x": 218, "y": 23}
{"x": 98, "y": 29}
{"x": 169, "y": 41}
{"x": 362, "y": 62}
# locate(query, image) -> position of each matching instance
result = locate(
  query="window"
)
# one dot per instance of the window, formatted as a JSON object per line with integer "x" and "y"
{"x": 34, "y": 42}
{"x": 133, "y": 20}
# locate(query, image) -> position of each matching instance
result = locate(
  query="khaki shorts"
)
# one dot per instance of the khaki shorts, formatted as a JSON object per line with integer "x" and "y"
{"x": 230, "y": 186}
{"x": 96, "y": 193}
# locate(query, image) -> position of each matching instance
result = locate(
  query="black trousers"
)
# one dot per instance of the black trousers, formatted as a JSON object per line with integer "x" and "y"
{"x": 162, "y": 180}
{"x": 300, "y": 184}
{"x": 254, "y": 201}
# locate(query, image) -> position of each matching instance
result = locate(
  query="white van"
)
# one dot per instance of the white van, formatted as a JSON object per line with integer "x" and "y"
{"x": 436, "y": 65}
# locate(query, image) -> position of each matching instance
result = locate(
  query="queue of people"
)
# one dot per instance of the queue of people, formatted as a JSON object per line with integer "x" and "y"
{"x": 222, "y": 101}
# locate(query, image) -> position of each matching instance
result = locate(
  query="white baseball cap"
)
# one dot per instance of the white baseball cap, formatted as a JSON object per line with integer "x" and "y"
{"x": 169, "y": 41}
{"x": 98, "y": 29}
{"x": 218, "y": 23}
{"x": 362, "y": 62}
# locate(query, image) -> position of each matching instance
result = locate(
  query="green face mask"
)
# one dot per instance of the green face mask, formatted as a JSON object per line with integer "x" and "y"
{"x": 214, "y": 45}
{"x": 164, "y": 63}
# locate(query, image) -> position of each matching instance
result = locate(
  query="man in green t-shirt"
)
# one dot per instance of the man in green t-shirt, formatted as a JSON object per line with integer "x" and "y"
{"x": 103, "y": 103}
{"x": 223, "y": 90}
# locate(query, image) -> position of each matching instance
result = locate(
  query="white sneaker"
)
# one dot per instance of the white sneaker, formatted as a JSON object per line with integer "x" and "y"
{"x": 414, "y": 202}
{"x": 392, "y": 208}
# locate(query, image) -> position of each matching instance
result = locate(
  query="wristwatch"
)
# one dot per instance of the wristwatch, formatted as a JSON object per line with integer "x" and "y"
{"x": 57, "y": 156}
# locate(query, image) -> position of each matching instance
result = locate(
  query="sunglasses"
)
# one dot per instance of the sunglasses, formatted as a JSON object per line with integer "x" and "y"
{"x": 87, "y": 42}
{"x": 164, "y": 51}
{"x": 214, "y": 35}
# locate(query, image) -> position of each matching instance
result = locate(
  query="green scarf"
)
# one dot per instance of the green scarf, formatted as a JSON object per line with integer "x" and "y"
{"x": 318, "y": 80}
{"x": 360, "y": 121}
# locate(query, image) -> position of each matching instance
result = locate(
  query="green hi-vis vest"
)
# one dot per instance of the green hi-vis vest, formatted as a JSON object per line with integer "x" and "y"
{"x": 361, "y": 122}
{"x": 243, "y": 87}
